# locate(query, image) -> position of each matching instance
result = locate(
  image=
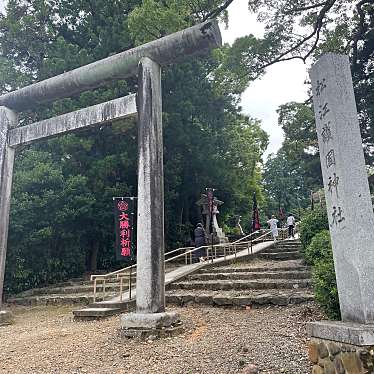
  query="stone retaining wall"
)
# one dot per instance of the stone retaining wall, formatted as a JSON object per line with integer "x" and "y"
{"x": 329, "y": 357}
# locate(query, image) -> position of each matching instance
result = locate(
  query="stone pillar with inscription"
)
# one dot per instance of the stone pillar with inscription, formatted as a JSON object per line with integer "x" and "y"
{"x": 348, "y": 203}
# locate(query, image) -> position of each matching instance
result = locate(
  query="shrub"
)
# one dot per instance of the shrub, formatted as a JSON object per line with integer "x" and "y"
{"x": 325, "y": 289}
{"x": 319, "y": 248}
{"x": 319, "y": 255}
{"x": 311, "y": 224}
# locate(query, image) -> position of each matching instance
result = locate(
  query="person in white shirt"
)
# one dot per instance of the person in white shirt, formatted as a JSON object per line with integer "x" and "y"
{"x": 291, "y": 226}
{"x": 273, "y": 224}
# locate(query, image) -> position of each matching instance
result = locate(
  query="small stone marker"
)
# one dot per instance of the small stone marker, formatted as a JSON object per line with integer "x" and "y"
{"x": 345, "y": 178}
{"x": 6, "y": 318}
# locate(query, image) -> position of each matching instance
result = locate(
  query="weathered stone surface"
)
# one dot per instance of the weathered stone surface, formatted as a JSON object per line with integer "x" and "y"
{"x": 150, "y": 277}
{"x": 348, "y": 201}
{"x": 351, "y": 363}
{"x": 333, "y": 348}
{"x": 149, "y": 320}
{"x": 8, "y": 119}
{"x": 151, "y": 334}
{"x": 313, "y": 352}
{"x": 322, "y": 350}
{"x": 339, "y": 367}
{"x": 285, "y": 256}
{"x": 98, "y": 114}
{"x": 6, "y": 318}
{"x": 328, "y": 366}
{"x": 204, "y": 299}
{"x": 347, "y": 358}
{"x": 95, "y": 313}
{"x": 317, "y": 370}
{"x": 222, "y": 300}
{"x": 242, "y": 300}
{"x": 197, "y": 39}
{"x": 242, "y": 284}
{"x": 344, "y": 332}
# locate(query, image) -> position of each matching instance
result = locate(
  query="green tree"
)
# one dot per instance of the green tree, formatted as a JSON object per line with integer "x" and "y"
{"x": 207, "y": 141}
{"x": 284, "y": 184}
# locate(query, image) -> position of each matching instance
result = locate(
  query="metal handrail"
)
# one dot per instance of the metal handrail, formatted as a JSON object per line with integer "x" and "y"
{"x": 113, "y": 273}
{"x": 231, "y": 247}
{"x": 245, "y": 237}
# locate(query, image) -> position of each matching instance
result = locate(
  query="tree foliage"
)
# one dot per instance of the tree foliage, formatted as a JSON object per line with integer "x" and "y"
{"x": 61, "y": 216}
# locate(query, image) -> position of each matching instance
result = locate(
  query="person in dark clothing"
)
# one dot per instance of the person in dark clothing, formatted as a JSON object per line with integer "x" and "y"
{"x": 291, "y": 226}
{"x": 200, "y": 240}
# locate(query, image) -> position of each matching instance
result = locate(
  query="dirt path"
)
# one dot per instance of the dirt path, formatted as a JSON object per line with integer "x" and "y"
{"x": 216, "y": 340}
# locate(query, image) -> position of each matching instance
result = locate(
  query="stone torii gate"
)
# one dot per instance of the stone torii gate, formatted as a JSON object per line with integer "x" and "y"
{"x": 146, "y": 61}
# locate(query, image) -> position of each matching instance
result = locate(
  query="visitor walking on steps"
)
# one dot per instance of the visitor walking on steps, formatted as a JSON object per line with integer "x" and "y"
{"x": 273, "y": 224}
{"x": 200, "y": 240}
{"x": 291, "y": 226}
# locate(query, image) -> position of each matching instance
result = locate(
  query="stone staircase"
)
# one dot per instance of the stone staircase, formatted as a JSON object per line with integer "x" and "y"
{"x": 77, "y": 291}
{"x": 275, "y": 276}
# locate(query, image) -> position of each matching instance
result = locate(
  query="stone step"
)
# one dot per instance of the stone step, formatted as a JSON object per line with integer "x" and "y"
{"x": 247, "y": 269}
{"x": 282, "y": 256}
{"x": 74, "y": 288}
{"x": 252, "y": 275}
{"x": 94, "y": 313}
{"x": 241, "y": 284}
{"x": 281, "y": 250}
{"x": 70, "y": 290}
{"x": 122, "y": 305}
{"x": 221, "y": 298}
{"x": 55, "y": 299}
{"x": 227, "y": 299}
{"x": 287, "y": 245}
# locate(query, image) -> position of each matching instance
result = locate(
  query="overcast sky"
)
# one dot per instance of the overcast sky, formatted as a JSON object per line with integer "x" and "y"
{"x": 282, "y": 82}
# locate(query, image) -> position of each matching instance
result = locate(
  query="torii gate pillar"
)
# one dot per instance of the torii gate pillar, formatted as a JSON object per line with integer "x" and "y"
{"x": 150, "y": 280}
{"x": 8, "y": 119}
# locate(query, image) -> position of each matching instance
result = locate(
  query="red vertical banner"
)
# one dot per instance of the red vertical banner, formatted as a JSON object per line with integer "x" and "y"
{"x": 124, "y": 211}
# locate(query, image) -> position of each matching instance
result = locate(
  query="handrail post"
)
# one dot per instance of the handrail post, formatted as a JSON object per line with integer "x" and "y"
{"x": 94, "y": 296}
{"x": 120, "y": 289}
{"x": 130, "y": 283}
{"x": 104, "y": 288}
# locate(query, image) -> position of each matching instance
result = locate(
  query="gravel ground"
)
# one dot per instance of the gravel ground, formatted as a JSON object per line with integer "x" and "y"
{"x": 216, "y": 340}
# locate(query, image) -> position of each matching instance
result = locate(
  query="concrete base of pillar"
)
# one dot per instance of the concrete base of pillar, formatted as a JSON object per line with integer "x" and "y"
{"x": 150, "y": 325}
{"x": 344, "y": 332}
{"x": 341, "y": 347}
{"x": 6, "y": 318}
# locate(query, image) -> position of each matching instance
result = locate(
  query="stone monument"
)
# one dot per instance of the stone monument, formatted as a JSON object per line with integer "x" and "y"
{"x": 144, "y": 61}
{"x": 218, "y": 234}
{"x": 351, "y": 220}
